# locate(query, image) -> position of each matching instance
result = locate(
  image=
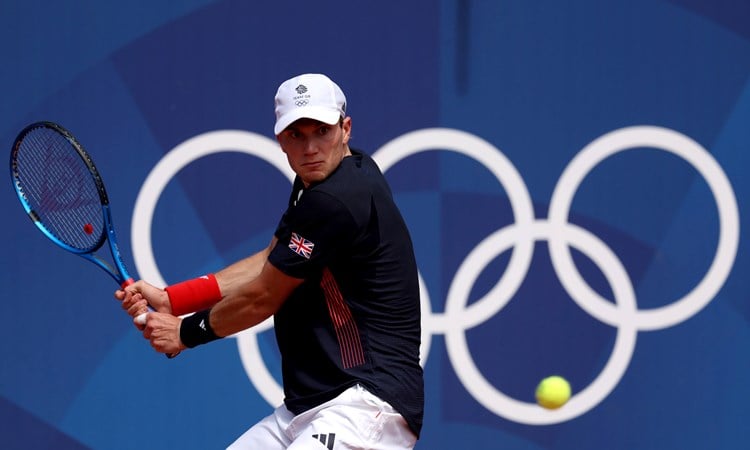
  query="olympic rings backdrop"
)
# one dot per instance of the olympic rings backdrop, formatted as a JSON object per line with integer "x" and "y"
{"x": 572, "y": 173}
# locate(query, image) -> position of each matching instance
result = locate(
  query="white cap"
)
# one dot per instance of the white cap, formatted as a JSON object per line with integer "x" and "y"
{"x": 311, "y": 96}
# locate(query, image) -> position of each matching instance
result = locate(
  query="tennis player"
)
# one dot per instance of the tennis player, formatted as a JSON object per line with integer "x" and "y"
{"x": 340, "y": 279}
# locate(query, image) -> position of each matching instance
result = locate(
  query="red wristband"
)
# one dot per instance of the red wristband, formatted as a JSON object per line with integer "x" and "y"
{"x": 194, "y": 295}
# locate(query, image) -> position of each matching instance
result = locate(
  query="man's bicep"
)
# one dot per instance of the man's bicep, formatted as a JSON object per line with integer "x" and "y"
{"x": 243, "y": 271}
{"x": 278, "y": 284}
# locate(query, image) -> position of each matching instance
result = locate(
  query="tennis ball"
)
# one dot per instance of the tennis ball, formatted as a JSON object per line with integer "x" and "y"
{"x": 553, "y": 392}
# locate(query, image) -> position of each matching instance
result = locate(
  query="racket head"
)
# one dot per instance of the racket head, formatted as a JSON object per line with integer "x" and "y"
{"x": 59, "y": 187}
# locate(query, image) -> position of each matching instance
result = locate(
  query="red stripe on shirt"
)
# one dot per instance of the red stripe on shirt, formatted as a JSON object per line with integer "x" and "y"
{"x": 347, "y": 333}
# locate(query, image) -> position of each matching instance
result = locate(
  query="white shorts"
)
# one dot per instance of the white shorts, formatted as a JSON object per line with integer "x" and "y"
{"x": 356, "y": 419}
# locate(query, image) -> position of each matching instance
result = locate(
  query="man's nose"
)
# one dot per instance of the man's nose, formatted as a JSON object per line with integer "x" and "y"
{"x": 310, "y": 146}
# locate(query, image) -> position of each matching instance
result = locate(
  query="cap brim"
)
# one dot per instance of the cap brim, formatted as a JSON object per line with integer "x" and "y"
{"x": 325, "y": 115}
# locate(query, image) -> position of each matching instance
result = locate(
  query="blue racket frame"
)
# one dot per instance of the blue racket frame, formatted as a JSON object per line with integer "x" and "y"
{"x": 118, "y": 272}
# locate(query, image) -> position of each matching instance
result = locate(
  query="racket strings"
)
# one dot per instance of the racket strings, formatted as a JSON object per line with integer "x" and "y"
{"x": 60, "y": 188}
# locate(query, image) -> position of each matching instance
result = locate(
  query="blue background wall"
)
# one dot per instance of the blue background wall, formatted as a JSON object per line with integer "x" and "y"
{"x": 535, "y": 81}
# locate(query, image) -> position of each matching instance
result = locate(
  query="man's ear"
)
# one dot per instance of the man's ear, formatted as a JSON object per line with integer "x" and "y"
{"x": 346, "y": 126}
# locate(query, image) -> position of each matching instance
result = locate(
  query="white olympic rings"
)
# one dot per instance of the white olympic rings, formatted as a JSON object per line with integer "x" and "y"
{"x": 457, "y": 318}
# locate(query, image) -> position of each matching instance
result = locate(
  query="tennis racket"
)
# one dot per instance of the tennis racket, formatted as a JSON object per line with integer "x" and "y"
{"x": 63, "y": 194}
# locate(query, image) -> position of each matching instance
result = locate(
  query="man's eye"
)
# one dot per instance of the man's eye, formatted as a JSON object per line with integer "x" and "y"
{"x": 323, "y": 130}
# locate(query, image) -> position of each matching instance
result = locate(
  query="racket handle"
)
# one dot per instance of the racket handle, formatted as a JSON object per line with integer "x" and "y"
{"x": 141, "y": 319}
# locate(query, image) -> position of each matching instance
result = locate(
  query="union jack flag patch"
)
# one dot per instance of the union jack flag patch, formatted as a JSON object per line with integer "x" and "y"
{"x": 301, "y": 246}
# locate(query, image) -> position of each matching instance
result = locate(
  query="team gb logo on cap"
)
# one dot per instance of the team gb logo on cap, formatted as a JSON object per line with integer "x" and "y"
{"x": 301, "y": 100}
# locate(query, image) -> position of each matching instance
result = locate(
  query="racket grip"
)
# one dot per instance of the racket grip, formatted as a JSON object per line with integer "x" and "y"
{"x": 141, "y": 319}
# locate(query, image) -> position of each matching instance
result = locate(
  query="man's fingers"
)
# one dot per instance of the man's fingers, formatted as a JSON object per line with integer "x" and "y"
{"x": 137, "y": 308}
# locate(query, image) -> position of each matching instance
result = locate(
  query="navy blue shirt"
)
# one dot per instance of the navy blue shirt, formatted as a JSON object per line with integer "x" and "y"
{"x": 356, "y": 317}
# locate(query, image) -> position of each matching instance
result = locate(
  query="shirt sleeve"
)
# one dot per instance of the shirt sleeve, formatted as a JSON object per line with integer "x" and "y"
{"x": 311, "y": 233}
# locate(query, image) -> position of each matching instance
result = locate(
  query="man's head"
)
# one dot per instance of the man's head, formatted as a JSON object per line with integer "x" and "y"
{"x": 308, "y": 96}
{"x": 311, "y": 126}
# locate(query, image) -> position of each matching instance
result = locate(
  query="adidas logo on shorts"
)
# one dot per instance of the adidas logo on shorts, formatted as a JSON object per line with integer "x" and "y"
{"x": 326, "y": 439}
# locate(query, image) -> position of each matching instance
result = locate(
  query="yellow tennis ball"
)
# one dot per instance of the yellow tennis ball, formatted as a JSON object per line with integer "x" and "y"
{"x": 553, "y": 392}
